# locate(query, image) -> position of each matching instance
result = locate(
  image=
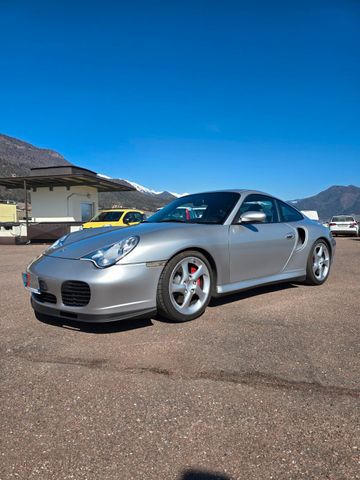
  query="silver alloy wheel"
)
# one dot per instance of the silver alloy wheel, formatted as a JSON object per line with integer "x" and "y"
{"x": 321, "y": 261}
{"x": 189, "y": 285}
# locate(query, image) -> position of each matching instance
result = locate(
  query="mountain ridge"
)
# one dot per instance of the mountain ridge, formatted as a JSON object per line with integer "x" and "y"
{"x": 337, "y": 199}
{"x": 15, "y": 150}
{"x": 18, "y": 157}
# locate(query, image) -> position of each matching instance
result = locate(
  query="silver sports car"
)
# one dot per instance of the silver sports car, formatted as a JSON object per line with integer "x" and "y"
{"x": 197, "y": 247}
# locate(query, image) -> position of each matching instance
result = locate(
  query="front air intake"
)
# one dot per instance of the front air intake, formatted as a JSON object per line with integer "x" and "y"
{"x": 75, "y": 293}
{"x": 45, "y": 297}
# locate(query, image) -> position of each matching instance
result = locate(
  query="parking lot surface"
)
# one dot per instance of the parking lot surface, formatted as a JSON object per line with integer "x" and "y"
{"x": 265, "y": 385}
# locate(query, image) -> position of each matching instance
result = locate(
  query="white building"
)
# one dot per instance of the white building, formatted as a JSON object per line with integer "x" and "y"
{"x": 62, "y": 198}
{"x": 65, "y": 204}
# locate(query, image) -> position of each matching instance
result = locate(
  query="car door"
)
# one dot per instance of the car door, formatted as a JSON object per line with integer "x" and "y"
{"x": 259, "y": 249}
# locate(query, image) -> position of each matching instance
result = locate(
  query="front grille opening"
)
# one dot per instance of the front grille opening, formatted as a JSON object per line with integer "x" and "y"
{"x": 75, "y": 293}
{"x": 45, "y": 297}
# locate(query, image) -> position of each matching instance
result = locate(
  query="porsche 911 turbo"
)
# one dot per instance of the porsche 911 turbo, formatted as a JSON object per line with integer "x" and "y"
{"x": 199, "y": 246}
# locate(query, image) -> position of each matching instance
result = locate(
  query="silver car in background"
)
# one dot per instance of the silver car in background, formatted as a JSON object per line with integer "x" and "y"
{"x": 197, "y": 247}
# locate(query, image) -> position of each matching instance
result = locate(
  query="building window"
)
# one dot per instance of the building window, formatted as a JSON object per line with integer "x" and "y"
{"x": 87, "y": 211}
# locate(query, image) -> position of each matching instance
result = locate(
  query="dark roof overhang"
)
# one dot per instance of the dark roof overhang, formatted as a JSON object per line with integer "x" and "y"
{"x": 65, "y": 180}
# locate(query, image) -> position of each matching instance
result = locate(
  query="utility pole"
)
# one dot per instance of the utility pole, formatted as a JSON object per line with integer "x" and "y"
{"x": 26, "y": 207}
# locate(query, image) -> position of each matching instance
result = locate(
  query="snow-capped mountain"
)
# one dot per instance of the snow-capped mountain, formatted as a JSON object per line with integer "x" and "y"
{"x": 141, "y": 188}
{"x": 143, "y": 197}
{"x": 149, "y": 191}
{"x": 17, "y": 157}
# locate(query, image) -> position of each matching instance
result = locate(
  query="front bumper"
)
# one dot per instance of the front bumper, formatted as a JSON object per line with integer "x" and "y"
{"x": 117, "y": 292}
{"x": 41, "y": 310}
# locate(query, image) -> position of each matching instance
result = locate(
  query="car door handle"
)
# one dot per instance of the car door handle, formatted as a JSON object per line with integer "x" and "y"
{"x": 290, "y": 236}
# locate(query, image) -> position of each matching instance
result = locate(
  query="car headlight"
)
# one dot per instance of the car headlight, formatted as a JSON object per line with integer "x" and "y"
{"x": 107, "y": 256}
{"x": 59, "y": 243}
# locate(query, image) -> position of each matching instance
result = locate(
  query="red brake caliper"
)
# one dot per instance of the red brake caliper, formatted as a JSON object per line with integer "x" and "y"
{"x": 193, "y": 270}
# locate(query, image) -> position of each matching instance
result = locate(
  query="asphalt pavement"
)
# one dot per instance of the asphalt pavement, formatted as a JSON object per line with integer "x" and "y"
{"x": 265, "y": 385}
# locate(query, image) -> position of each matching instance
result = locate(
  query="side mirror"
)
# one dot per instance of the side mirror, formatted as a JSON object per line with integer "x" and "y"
{"x": 252, "y": 217}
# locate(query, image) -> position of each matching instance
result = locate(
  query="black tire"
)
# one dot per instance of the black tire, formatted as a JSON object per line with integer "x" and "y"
{"x": 165, "y": 305}
{"x": 311, "y": 278}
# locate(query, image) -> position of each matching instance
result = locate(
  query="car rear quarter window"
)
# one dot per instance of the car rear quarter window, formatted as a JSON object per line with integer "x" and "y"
{"x": 289, "y": 214}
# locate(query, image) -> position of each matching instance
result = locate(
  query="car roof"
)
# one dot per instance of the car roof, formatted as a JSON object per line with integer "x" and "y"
{"x": 121, "y": 210}
{"x": 234, "y": 190}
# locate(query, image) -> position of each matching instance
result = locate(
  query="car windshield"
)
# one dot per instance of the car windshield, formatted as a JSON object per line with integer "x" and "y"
{"x": 212, "y": 208}
{"x": 107, "y": 216}
{"x": 343, "y": 219}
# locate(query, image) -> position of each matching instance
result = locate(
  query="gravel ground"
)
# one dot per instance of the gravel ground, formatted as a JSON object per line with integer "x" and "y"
{"x": 265, "y": 385}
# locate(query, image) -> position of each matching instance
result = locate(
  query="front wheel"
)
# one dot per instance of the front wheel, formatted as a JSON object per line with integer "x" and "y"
{"x": 318, "y": 264}
{"x": 184, "y": 289}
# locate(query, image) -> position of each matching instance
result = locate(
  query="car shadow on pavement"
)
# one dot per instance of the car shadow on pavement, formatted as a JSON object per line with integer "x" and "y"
{"x": 135, "y": 323}
{"x": 97, "y": 328}
{"x": 254, "y": 292}
{"x": 203, "y": 475}
{"x": 234, "y": 297}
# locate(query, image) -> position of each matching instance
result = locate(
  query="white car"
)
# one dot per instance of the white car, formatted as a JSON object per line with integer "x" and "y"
{"x": 344, "y": 225}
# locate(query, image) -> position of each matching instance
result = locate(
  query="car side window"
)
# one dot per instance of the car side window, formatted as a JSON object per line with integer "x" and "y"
{"x": 288, "y": 214}
{"x": 133, "y": 217}
{"x": 260, "y": 203}
{"x": 137, "y": 217}
{"x": 128, "y": 218}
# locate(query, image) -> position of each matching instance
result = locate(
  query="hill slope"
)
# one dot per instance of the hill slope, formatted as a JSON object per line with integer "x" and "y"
{"x": 332, "y": 201}
{"x": 16, "y": 152}
{"x": 134, "y": 199}
{"x": 17, "y": 157}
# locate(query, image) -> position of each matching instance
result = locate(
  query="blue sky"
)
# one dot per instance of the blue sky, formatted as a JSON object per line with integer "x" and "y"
{"x": 189, "y": 95}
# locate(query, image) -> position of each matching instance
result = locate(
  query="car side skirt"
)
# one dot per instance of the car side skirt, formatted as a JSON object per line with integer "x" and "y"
{"x": 296, "y": 275}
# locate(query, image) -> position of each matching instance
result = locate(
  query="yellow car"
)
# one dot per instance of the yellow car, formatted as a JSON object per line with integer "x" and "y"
{"x": 115, "y": 218}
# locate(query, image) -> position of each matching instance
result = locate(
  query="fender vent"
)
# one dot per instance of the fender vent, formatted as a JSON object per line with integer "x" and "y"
{"x": 301, "y": 237}
{"x": 75, "y": 293}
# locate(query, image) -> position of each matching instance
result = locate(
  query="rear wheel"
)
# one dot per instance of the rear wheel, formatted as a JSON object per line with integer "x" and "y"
{"x": 318, "y": 264}
{"x": 184, "y": 289}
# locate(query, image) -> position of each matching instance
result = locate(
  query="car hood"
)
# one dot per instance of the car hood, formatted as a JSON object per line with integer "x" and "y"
{"x": 81, "y": 243}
